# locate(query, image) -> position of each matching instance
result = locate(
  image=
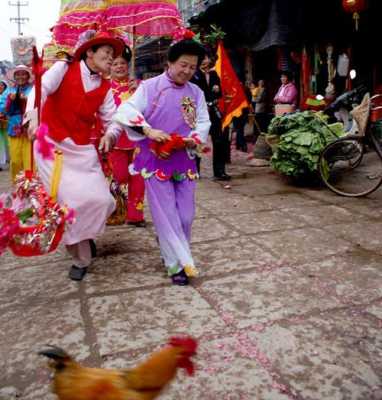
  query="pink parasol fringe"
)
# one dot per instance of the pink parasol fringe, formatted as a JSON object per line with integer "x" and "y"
{"x": 143, "y": 18}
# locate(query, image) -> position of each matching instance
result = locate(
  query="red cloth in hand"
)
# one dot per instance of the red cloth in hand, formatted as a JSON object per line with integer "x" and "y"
{"x": 164, "y": 149}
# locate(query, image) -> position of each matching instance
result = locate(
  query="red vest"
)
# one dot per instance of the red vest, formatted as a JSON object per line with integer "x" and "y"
{"x": 69, "y": 111}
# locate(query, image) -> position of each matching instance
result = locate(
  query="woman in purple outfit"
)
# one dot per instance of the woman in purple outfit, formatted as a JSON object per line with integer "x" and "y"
{"x": 163, "y": 105}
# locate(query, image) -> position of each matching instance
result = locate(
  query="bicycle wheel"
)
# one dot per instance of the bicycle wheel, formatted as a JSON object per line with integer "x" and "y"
{"x": 348, "y": 170}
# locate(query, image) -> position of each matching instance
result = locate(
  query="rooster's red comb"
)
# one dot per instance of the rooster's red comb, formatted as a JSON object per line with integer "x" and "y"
{"x": 188, "y": 343}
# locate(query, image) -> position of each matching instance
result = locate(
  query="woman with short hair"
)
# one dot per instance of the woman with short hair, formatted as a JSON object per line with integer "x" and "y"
{"x": 286, "y": 97}
{"x": 163, "y": 105}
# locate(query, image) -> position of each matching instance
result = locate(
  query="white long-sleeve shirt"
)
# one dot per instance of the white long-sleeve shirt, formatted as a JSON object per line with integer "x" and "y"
{"x": 136, "y": 105}
{"x": 51, "y": 81}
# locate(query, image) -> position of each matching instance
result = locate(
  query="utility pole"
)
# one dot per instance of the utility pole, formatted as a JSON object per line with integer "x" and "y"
{"x": 19, "y": 19}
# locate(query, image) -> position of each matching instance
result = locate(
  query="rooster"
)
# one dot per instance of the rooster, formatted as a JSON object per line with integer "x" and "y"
{"x": 73, "y": 381}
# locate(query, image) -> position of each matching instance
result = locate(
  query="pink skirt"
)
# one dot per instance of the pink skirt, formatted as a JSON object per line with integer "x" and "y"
{"x": 82, "y": 186}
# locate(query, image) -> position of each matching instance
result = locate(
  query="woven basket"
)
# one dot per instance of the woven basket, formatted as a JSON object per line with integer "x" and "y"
{"x": 272, "y": 141}
{"x": 31, "y": 250}
{"x": 281, "y": 109}
{"x": 44, "y": 236}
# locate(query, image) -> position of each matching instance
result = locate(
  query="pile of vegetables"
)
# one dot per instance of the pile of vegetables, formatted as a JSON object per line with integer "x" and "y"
{"x": 301, "y": 137}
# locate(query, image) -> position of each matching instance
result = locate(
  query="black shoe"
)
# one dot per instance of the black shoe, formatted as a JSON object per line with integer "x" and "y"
{"x": 77, "y": 274}
{"x": 222, "y": 177}
{"x": 180, "y": 279}
{"x": 138, "y": 224}
{"x": 93, "y": 248}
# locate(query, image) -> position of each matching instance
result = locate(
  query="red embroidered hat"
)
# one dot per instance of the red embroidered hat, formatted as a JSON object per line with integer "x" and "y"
{"x": 92, "y": 38}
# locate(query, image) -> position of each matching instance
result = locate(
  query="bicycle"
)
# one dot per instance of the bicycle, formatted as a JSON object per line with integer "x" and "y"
{"x": 351, "y": 166}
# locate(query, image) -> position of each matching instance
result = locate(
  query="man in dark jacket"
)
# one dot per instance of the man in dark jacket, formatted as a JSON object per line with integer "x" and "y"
{"x": 209, "y": 81}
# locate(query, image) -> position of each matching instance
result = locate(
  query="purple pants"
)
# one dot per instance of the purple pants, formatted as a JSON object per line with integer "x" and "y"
{"x": 172, "y": 206}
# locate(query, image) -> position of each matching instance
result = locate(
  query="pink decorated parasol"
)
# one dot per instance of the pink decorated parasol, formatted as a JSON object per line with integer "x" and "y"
{"x": 144, "y": 17}
{"x": 137, "y": 17}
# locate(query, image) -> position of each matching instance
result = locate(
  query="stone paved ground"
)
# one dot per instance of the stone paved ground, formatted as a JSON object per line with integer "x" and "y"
{"x": 289, "y": 305}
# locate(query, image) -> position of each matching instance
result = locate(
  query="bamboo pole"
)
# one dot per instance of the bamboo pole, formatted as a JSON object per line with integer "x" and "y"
{"x": 133, "y": 50}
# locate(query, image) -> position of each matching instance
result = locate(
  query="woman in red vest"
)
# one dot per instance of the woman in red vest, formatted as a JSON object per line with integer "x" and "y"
{"x": 73, "y": 95}
{"x": 122, "y": 154}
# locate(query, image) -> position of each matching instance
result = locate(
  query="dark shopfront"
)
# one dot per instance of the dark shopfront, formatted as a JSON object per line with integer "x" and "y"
{"x": 151, "y": 57}
{"x": 330, "y": 24}
{"x": 257, "y": 31}
{"x": 265, "y": 36}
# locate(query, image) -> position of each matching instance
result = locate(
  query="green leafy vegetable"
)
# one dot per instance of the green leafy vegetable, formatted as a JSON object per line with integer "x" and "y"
{"x": 302, "y": 136}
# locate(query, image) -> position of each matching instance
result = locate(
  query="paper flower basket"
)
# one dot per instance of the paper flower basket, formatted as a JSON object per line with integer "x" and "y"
{"x": 37, "y": 221}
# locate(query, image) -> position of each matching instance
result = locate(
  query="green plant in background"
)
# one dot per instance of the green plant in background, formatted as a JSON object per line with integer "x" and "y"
{"x": 197, "y": 38}
{"x": 214, "y": 35}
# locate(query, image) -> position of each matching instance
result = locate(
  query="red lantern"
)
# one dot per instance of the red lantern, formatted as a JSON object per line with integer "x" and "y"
{"x": 354, "y": 7}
